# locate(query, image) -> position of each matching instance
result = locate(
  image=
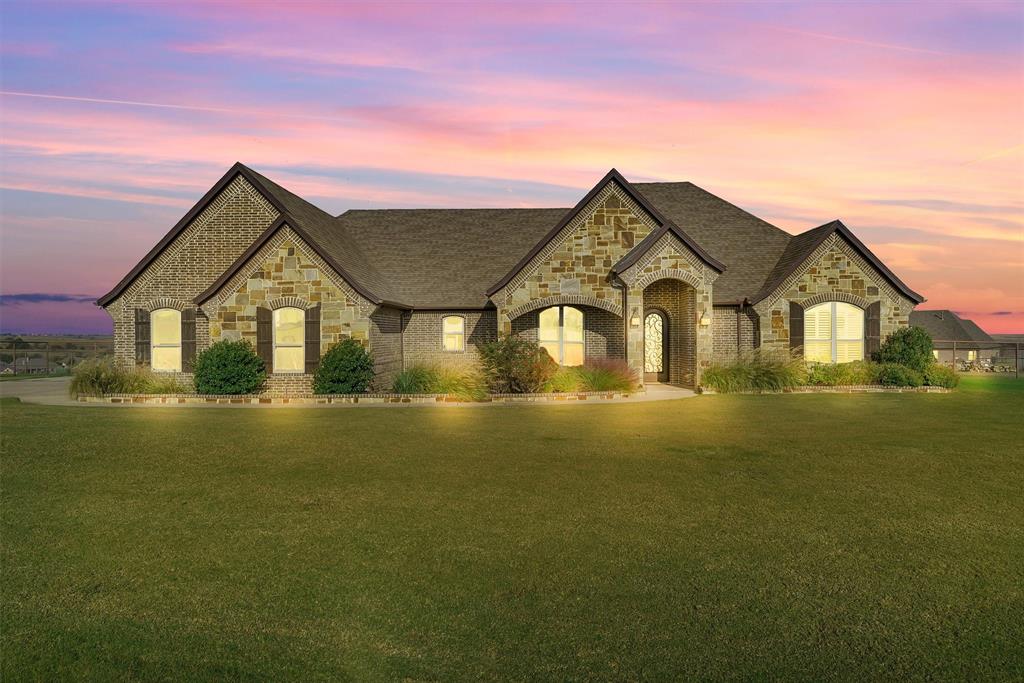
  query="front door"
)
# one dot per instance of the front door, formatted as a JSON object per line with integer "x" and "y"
{"x": 655, "y": 347}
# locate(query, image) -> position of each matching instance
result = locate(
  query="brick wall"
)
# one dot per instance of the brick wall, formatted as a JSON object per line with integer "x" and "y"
{"x": 422, "y": 341}
{"x": 602, "y": 331}
{"x": 386, "y": 344}
{"x": 193, "y": 261}
{"x": 677, "y": 300}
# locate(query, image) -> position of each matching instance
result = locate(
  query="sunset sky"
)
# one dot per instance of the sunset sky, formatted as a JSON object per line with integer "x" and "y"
{"x": 904, "y": 120}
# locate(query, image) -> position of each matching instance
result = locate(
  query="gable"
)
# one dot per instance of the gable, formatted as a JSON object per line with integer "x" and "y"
{"x": 287, "y": 271}
{"x": 578, "y": 260}
{"x": 205, "y": 242}
{"x": 628, "y": 197}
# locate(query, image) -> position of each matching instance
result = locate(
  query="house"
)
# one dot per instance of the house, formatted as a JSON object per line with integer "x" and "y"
{"x": 947, "y": 329}
{"x": 665, "y": 276}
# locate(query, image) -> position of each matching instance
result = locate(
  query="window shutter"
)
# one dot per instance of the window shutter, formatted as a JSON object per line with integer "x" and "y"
{"x": 188, "y": 339}
{"x": 796, "y": 326}
{"x": 312, "y": 338}
{"x": 142, "y": 336}
{"x": 265, "y": 336}
{"x": 872, "y": 329}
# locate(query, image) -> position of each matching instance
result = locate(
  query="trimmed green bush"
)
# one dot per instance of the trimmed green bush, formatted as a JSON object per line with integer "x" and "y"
{"x": 513, "y": 365}
{"x": 102, "y": 377}
{"x": 938, "y": 375}
{"x": 896, "y": 375}
{"x": 756, "y": 371}
{"x": 909, "y": 346}
{"x": 856, "y": 373}
{"x": 346, "y": 368}
{"x": 425, "y": 379}
{"x": 229, "y": 368}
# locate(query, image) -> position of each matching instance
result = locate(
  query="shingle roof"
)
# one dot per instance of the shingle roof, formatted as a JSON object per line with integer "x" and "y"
{"x": 451, "y": 258}
{"x": 946, "y": 325}
{"x": 803, "y": 245}
{"x": 446, "y": 258}
{"x": 748, "y": 246}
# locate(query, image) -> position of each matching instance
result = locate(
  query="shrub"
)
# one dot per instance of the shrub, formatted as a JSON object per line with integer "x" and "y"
{"x": 896, "y": 375}
{"x": 938, "y": 375}
{"x": 415, "y": 380}
{"x": 607, "y": 375}
{"x": 424, "y": 379}
{"x": 101, "y": 377}
{"x": 229, "y": 367}
{"x": 756, "y": 371}
{"x": 346, "y": 368}
{"x": 565, "y": 380}
{"x": 842, "y": 374}
{"x": 514, "y": 365}
{"x": 909, "y": 346}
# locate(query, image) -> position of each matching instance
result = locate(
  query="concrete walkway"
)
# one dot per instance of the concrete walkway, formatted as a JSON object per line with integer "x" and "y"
{"x": 53, "y": 391}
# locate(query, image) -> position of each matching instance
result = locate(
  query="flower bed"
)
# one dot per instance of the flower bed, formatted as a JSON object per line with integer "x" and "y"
{"x": 347, "y": 399}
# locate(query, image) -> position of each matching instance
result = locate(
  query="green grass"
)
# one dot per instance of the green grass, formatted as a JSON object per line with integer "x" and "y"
{"x": 807, "y": 537}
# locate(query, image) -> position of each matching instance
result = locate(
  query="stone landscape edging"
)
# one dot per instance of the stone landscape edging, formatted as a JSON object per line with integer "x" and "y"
{"x": 845, "y": 389}
{"x": 347, "y": 399}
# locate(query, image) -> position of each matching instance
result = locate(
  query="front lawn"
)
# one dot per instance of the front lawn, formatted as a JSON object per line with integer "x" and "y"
{"x": 810, "y": 537}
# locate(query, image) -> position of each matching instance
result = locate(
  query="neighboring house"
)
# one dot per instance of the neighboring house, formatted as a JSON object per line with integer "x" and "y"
{"x": 665, "y": 276}
{"x": 945, "y": 327}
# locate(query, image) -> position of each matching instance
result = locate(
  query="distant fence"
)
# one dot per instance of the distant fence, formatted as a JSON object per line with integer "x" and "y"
{"x": 26, "y": 357}
{"x": 986, "y": 357}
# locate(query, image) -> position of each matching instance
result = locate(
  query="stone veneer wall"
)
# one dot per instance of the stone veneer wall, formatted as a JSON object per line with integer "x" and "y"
{"x": 833, "y": 272}
{"x": 677, "y": 301}
{"x": 192, "y": 262}
{"x": 671, "y": 260}
{"x": 286, "y": 272}
{"x": 577, "y": 262}
{"x": 422, "y": 343}
{"x": 603, "y": 334}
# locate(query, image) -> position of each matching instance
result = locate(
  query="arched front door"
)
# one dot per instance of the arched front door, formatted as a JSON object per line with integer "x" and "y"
{"x": 655, "y": 346}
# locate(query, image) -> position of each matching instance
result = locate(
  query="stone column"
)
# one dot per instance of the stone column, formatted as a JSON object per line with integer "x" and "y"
{"x": 704, "y": 341}
{"x": 634, "y": 309}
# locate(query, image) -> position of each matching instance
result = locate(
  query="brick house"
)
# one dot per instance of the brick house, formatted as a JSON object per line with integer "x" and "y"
{"x": 666, "y": 276}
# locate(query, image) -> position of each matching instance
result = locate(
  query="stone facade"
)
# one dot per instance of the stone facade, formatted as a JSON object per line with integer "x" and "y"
{"x": 574, "y": 268}
{"x": 834, "y": 272}
{"x": 578, "y": 261}
{"x": 192, "y": 262}
{"x": 670, "y": 259}
{"x": 287, "y": 272}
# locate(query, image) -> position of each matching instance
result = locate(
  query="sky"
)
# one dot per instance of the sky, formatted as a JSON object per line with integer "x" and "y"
{"x": 904, "y": 120}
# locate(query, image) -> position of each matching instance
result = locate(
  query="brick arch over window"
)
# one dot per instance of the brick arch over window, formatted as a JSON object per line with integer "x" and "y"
{"x": 566, "y": 300}
{"x": 288, "y": 302}
{"x": 825, "y": 297}
{"x": 671, "y": 273}
{"x": 166, "y": 302}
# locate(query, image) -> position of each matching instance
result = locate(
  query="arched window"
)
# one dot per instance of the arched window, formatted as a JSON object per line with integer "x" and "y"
{"x": 289, "y": 340}
{"x": 165, "y": 332}
{"x": 560, "y": 332}
{"x": 834, "y": 333}
{"x": 453, "y": 333}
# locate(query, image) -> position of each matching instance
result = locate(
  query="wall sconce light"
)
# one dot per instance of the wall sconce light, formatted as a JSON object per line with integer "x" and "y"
{"x": 634, "y": 320}
{"x": 705, "y": 319}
